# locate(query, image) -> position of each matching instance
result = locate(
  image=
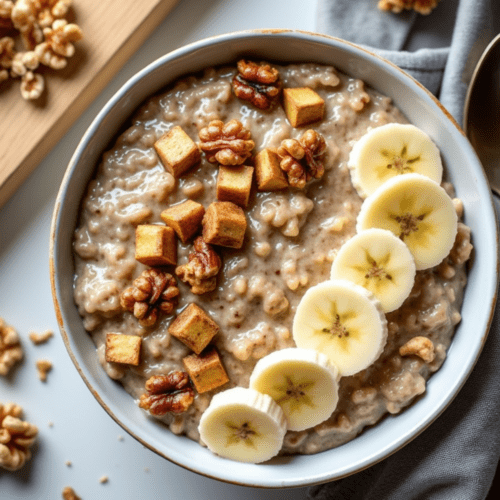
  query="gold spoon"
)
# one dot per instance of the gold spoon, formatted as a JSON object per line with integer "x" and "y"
{"x": 482, "y": 112}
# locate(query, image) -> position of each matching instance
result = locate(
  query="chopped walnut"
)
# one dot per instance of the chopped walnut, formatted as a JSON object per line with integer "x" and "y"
{"x": 397, "y": 6}
{"x": 462, "y": 248}
{"x": 301, "y": 159}
{"x": 43, "y": 367}
{"x": 50, "y": 10}
{"x": 24, "y": 19}
{"x": 41, "y": 338}
{"x": 7, "y": 52}
{"x": 32, "y": 85}
{"x": 22, "y": 62}
{"x": 258, "y": 84}
{"x": 58, "y": 44}
{"x": 6, "y": 13}
{"x": 228, "y": 144}
{"x": 419, "y": 346}
{"x": 171, "y": 393}
{"x": 68, "y": 493}
{"x": 152, "y": 291}
{"x": 16, "y": 437}
{"x": 10, "y": 349}
{"x": 202, "y": 269}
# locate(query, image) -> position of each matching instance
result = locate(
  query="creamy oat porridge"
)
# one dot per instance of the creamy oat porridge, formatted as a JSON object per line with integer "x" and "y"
{"x": 282, "y": 242}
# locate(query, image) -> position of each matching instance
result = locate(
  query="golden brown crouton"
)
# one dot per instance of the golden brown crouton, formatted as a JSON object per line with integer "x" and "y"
{"x": 224, "y": 224}
{"x": 206, "y": 370}
{"x": 303, "y": 106}
{"x": 121, "y": 348}
{"x": 184, "y": 219}
{"x": 155, "y": 245}
{"x": 177, "y": 151}
{"x": 234, "y": 184}
{"x": 268, "y": 173}
{"x": 194, "y": 328}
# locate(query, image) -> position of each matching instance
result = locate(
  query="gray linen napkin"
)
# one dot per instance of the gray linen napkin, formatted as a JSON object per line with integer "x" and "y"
{"x": 456, "y": 457}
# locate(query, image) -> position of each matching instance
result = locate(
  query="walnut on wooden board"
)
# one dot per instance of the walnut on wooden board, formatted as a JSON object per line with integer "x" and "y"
{"x": 301, "y": 159}
{"x": 421, "y": 6}
{"x": 202, "y": 268}
{"x": 258, "y": 84}
{"x": 227, "y": 143}
{"x": 153, "y": 291}
{"x": 11, "y": 350}
{"x": 16, "y": 437}
{"x": 171, "y": 393}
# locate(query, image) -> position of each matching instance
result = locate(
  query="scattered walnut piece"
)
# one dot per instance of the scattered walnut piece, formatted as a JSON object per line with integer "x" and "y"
{"x": 228, "y": 144}
{"x": 202, "y": 268}
{"x": 171, "y": 393}
{"x": 68, "y": 493}
{"x": 397, "y": 6}
{"x": 258, "y": 84}
{"x": 50, "y": 10}
{"x": 10, "y": 349}
{"x": 23, "y": 16}
{"x": 103, "y": 479}
{"x": 152, "y": 291}
{"x": 43, "y": 367}
{"x": 301, "y": 159}
{"x": 16, "y": 437}
{"x": 419, "y": 346}
{"x": 41, "y": 338}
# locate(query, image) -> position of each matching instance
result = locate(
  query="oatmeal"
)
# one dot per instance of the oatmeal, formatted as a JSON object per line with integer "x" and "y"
{"x": 260, "y": 247}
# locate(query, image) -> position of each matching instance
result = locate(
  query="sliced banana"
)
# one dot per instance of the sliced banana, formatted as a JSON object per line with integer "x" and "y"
{"x": 344, "y": 321}
{"x": 418, "y": 211}
{"x": 302, "y": 381}
{"x": 377, "y": 260}
{"x": 243, "y": 425}
{"x": 391, "y": 150}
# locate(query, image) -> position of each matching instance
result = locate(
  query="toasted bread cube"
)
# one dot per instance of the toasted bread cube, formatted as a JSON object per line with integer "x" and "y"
{"x": 234, "y": 184}
{"x": 224, "y": 224}
{"x": 206, "y": 370}
{"x": 121, "y": 348}
{"x": 185, "y": 219}
{"x": 303, "y": 106}
{"x": 268, "y": 173}
{"x": 155, "y": 245}
{"x": 194, "y": 328}
{"x": 177, "y": 151}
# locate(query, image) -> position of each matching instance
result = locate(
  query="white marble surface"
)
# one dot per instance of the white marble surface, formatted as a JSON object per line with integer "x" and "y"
{"x": 73, "y": 426}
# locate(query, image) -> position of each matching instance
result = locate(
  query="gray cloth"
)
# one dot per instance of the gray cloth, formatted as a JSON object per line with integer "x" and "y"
{"x": 456, "y": 457}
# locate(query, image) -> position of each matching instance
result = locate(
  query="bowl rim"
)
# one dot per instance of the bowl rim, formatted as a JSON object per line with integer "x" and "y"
{"x": 56, "y": 219}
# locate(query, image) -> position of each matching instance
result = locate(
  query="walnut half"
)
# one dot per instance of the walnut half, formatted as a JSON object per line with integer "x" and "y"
{"x": 171, "y": 393}
{"x": 202, "y": 269}
{"x": 16, "y": 437}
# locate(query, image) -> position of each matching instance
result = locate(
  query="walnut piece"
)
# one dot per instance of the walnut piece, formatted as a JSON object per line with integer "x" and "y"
{"x": 301, "y": 159}
{"x": 24, "y": 19}
{"x": 397, "y": 6}
{"x": 171, "y": 393}
{"x": 202, "y": 268}
{"x": 259, "y": 85}
{"x": 68, "y": 493}
{"x": 419, "y": 346}
{"x": 43, "y": 367}
{"x": 7, "y": 52}
{"x": 32, "y": 85}
{"x": 10, "y": 349}
{"x": 152, "y": 291}
{"x": 228, "y": 144}
{"x": 40, "y": 338}
{"x": 16, "y": 437}
{"x": 58, "y": 44}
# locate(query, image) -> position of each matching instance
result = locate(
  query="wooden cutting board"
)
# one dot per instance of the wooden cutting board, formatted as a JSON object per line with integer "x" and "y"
{"x": 113, "y": 30}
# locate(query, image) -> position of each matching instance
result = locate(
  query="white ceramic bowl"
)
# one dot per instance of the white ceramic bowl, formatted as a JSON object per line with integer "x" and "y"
{"x": 463, "y": 169}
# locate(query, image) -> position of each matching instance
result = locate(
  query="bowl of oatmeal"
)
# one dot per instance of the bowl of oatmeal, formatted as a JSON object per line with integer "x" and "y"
{"x": 179, "y": 256}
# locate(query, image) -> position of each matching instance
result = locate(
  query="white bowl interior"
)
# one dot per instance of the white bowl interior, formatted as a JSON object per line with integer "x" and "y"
{"x": 463, "y": 169}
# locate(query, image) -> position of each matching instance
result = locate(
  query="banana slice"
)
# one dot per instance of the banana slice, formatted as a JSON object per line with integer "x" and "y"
{"x": 377, "y": 260}
{"x": 302, "y": 381}
{"x": 418, "y": 211}
{"x": 344, "y": 321}
{"x": 243, "y": 425}
{"x": 389, "y": 151}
